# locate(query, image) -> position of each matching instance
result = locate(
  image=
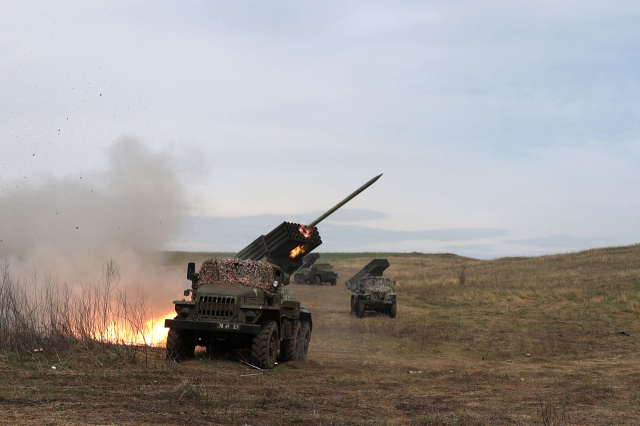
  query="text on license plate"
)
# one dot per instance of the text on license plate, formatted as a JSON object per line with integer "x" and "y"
{"x": 229, "y": 326}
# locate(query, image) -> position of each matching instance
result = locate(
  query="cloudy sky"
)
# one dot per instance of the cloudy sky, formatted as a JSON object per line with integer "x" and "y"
{"x": 501, "y": 127}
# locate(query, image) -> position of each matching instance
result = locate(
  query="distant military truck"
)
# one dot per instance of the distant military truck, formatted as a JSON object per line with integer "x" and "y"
{"x": 372, "y": 291}
{"x": 315, "y": 273}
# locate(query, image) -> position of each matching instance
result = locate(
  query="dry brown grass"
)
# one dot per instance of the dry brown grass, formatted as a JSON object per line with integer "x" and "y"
{"x": 523, "y": 341}
{"x": 42, "y": 315}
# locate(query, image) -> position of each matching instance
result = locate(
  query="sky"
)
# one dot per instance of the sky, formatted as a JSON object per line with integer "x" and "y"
{"x": 502, "y": 128}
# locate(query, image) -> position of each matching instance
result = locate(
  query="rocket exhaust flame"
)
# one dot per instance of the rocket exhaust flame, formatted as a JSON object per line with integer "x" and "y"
{"x": 306, "y": 231}
{"x": 298, "y": 251}
{"x": 152, "y": 333}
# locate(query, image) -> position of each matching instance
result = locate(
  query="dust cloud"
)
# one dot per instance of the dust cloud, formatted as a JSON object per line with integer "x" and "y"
{"x": 69, "y": 228}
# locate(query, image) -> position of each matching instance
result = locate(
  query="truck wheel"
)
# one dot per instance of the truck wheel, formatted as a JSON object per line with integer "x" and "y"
{"x": 288, "y": 347}
{"x": 360, "y": 308}
{"x": 180, "y": 345}
{"x": 333, "y": 282}
{"x": 305, "y": 339}
{"x": 353, "y": 305}
{"x": 317, "y": 280}
{"x": 265, "y": 346}
{"x": 394, "y": 310}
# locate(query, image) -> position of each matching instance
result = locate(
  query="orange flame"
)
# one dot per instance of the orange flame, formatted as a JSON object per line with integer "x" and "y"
{"x": 298, "y": 250}
{"x": 305, "y": 231}
{"x": 152, "y": 333}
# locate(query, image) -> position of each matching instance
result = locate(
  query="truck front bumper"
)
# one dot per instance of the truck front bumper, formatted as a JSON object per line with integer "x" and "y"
{"x": 377, "y": 304}
{"x": 229, "y": 327}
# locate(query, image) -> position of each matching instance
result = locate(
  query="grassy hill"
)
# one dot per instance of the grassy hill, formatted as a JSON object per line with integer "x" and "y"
{"x": 550, "y": 340}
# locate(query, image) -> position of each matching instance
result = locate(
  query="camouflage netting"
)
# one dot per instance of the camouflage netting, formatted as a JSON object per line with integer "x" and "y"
{"x": 377, "y": 287}
{"x": 251, "y": 273}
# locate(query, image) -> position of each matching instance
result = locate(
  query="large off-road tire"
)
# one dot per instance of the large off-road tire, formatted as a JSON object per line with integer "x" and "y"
{"x": 394, "y": 310}
{"x": 304, "y": 341}
{"x": 317, "y": 280}
{"x": 289, "y": 347}
{"x": 265, "y": 346}
{"x": 333, "y": 282}
{"x": 180, "y": 345}
{"x": 360, "y": 308}
{"x": 353, "y": 305}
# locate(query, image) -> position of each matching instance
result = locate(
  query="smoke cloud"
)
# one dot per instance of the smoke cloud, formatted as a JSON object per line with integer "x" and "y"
{"x": 69, "y": 228}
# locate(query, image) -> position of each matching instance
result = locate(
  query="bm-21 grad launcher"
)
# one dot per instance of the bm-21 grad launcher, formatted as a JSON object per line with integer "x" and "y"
{"x": 315, "y": 273}
{"x": 239, "y": 304}
{"x": 372, "y": 291}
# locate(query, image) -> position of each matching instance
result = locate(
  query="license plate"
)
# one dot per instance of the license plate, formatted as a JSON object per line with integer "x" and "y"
{"x": 228, "y": 326}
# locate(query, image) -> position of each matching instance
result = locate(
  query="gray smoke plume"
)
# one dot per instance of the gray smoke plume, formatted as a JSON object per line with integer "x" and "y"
{"x": 69, "y": 228}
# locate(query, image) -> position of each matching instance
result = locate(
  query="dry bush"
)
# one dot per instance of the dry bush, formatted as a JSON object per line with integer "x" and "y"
{"x": 554, "y": 414}
{"x": 42, "y": 315}
{"x": 462, "y": 276}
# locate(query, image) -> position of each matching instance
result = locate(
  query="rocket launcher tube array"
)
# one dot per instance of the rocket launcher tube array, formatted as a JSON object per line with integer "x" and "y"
{"x": 309, "y": 260}
{"x": 375, "y": 268}
{"x": 279, "y": 242}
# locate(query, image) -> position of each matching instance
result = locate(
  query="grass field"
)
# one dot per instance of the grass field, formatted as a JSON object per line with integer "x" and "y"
{"x": 549, "y": 340}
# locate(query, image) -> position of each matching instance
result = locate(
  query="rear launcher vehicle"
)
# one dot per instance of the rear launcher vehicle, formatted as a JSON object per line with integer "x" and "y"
{"x": 240, "y": 304}
{"x": 372, "y": 291}
{"x": 315, "y": 273}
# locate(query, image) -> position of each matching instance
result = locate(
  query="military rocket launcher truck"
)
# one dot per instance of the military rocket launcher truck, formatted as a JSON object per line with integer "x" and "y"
{"x": 372, "y": 291}
{"x": 315, "y": 273}
{"x": 239, "y": 303}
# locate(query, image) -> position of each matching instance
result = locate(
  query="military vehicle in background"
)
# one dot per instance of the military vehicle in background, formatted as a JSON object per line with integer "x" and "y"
{"x": 372, "y": 291}
{"x": 315, "y": 273}
{"x": 239, "y": 303}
